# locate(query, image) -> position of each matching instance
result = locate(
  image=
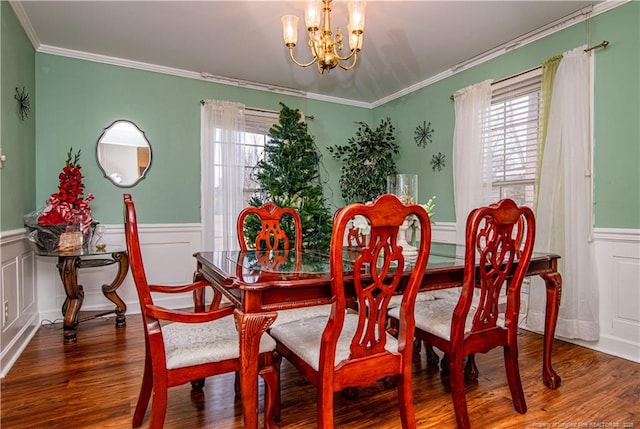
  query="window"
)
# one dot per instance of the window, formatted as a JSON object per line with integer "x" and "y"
{"x": 253, "y": 138}
{"x": 256, "y": 134}
{"x": 232, "y": 141}
{"x": 511, "y": 138}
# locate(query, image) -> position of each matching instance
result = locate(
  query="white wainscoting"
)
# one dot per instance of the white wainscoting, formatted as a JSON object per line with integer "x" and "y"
{"x": 32, "y": 287}
{"x": 167, "y": 251}
{"x": 18, "y": 297}
{"x": 618, "y": 270}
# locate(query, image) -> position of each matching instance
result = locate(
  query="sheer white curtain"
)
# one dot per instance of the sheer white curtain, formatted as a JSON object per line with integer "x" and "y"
{"x": 564, "y": 212}
{"x": 222, "y": 133}
{"x": 471, "y": 178}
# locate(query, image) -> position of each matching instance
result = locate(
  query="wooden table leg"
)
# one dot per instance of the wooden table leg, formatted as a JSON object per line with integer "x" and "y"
{"x": 68, "y": 269}
{"x": 553, "y": 283}
{"x": 109, "y": 290}
{"x": 250, "y": 327}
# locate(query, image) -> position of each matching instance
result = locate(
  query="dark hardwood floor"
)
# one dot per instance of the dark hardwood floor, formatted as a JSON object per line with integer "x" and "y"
{"x": 94, "y": 384}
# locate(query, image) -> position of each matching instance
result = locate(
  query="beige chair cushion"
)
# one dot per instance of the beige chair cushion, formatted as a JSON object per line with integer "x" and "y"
{"x": 286, "y": 316}
{"x": 435, "y": 316}
{"x": 188, "y": 344}
{"x": 421, "y": 296}
{"x": 303, "y": 337}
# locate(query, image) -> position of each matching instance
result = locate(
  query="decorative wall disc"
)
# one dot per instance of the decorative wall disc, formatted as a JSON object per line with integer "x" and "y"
{"x": 24, "y": 103}
{"x": 423, "y": 134}
{"x": 438, "y": 161}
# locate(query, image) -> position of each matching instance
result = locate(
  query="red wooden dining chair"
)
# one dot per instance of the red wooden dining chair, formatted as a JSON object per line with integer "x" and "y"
{"x": 350, "y": 349}
{"x": 499, "y": 245}
{"x": 271, "y": 235}
{"x": 194, "y": 346}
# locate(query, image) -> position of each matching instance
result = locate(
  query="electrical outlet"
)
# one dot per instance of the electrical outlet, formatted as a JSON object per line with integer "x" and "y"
{"x": 5, "y": 315}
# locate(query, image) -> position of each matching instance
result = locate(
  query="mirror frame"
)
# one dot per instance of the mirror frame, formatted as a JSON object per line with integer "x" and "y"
{"x": 106, "y": 175}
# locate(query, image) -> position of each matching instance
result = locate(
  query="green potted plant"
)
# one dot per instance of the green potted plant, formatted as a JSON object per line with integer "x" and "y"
{"x": 367, "y": 160}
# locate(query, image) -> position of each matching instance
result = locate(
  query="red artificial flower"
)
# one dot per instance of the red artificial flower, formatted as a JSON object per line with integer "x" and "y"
{"x": 68, "y": 204}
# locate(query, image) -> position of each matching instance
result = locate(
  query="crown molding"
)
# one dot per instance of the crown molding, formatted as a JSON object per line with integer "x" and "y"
{"x": 519, "y": 42}
{"x": 26, "y": 24}
{"x": 509, "y": 46}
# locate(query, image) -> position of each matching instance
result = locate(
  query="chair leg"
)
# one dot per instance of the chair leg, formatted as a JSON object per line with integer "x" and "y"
{"x": 236, "y": 386}
{"x": 417, "y": 345}
{"x": 513, "y": 377}
{"x": 456, "y": 380}
{"x": 470, "y": 368}
{"x": 325, "y": 406}
{"x": 271, "y": 377}
{"x": 444, "y": 365}
{"x": 158, "y": 406}
{"x": 405, "y": 402}
{"x": 432, "y": 358}
{"x": 197, "y": 384}
{"x": 145, "y": 393}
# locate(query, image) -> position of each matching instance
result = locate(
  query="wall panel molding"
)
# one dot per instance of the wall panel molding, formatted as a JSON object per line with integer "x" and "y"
{"x": 18, "y": 298}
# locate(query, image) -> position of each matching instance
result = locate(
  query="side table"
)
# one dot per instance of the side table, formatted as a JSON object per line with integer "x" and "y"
{"x": 68, "y": 265}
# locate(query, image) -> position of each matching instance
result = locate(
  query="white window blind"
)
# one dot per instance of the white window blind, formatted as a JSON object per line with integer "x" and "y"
{"x": 511, "y": 138}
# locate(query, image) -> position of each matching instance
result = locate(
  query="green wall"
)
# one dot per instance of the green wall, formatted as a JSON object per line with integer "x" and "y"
{"x": 78, "y": 99}
{"x": 17, "y": 138}
{"x": 616, "y": 116}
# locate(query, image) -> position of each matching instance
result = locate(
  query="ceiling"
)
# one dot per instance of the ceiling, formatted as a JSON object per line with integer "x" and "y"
{"x": 405, "y": 42}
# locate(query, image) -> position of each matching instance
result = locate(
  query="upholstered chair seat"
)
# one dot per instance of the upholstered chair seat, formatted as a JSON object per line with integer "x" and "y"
{"x": 295, "y": 314}
{"x": 189, "y": 344}
{"x": 303, "y": 338}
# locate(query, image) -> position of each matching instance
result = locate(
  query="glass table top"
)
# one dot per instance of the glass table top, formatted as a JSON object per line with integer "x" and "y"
{"x": 83, "y": 252}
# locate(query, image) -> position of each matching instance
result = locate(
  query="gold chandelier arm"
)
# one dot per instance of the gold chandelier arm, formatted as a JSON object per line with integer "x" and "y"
{"x": 354, "y": 54}
{"x": 315, "y": 58}
{"x": 338, "y": 57}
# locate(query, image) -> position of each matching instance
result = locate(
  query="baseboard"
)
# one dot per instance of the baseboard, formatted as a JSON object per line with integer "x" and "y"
{"x": 611, "y": 346}
{"x": 12, "y": 351}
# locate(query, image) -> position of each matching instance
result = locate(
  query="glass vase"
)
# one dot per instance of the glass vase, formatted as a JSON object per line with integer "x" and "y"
{"x": 404, "y": 186}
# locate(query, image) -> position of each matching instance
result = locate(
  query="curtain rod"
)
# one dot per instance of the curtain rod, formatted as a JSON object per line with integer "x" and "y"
{"x": 275, "y": 112}
{"x": 603, "y": 44}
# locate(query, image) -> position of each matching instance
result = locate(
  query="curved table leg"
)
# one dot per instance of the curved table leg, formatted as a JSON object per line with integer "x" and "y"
{"x": 553, "y": 283}
{"x": 250, "y": 327}
{"x": 68, "y": 269}
{"x": 109, "y": 290}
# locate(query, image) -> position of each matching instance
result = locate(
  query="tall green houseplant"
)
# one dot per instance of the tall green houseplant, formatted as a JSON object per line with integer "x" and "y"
{"x": 289, "y": 176}
{"x": 367, "y": 160}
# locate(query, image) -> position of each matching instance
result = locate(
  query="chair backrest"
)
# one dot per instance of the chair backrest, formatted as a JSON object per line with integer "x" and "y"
{"x": 499, "y": 242}
{"x": 378, "y": 272}
{"x": 135, "y": 255}
{"x": 271, "y": 234}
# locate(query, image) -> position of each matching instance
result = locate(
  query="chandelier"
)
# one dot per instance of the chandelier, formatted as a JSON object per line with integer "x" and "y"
{"x": 325, "y": 49}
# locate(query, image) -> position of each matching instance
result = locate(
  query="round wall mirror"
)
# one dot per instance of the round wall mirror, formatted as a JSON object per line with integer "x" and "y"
{"x": 123, "y": 153}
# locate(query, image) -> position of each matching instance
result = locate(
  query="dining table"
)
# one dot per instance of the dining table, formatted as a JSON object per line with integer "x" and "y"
{"x": 259, "y": 284}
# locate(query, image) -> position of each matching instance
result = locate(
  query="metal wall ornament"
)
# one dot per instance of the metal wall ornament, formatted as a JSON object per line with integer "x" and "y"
{"x": 423, "y": 134}
{"x": 24, "y": 103}
{"x": 438, "y": 161}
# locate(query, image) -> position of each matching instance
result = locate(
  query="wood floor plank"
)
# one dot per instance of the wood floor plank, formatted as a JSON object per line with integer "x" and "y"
{"x": 95, "y": 383}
